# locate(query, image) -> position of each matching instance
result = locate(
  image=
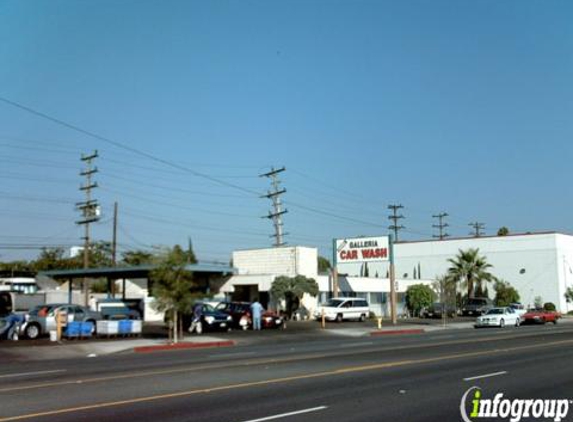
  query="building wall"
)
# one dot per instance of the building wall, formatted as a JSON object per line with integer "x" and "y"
{"x": 289, "y": 261}
{"x": 535, "y": 264}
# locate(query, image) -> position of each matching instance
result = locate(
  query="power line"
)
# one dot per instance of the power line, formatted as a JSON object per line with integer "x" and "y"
{"x": 125, "y": 147}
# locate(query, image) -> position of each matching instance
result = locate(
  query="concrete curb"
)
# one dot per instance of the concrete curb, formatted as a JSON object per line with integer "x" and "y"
{"x": 396, "y": 332}
{"x": 182, "y": 346}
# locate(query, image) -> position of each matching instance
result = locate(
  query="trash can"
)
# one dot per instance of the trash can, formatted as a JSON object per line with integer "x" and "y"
{"x": 53, "y": 335}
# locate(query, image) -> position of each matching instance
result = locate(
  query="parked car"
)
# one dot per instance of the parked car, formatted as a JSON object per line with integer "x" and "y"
{"x": 241, "y": 314}
{"x": 341, "y": 308}
{"x": 477, "y": 306}
{"x": 211, "y": 319}
{"x": 42, "y": 319}
{"x": 438, "y": 309}
{"x": 540, "y": 316}
{"x": 518, "y": 308}
{"x": 498, "y": 317}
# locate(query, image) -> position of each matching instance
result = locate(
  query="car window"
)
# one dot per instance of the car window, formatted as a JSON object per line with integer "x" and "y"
{"x": 495, "y": 311}
{"x": 208, "y": 308}
{"x": 335, "y": 303}
{"x": 360, "y": 303}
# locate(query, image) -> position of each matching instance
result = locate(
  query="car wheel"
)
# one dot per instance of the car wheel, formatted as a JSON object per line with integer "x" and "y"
{"x": 501, "y": 323}
{"x": 362, "y": 318}
{"x": 339, "y": 318}
{"x": 32, "y": 331}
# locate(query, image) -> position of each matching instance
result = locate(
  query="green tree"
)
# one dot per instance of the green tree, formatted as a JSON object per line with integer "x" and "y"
{"x": 419, "y": 296}
{"x": 503, "y": 231}
{"x": 569, "y": 294}
{"x": 505, "y": 294}
{"x": 137, "y": 257}
{"x": 470, "y": 270}
{"x": 172, "y": 286}
{"x": 292, "y": 289}
{"x": 323, "y": 264}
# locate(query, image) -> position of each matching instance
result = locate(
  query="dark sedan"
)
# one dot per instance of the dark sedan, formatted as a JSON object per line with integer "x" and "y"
{"x": 211, "y": 319}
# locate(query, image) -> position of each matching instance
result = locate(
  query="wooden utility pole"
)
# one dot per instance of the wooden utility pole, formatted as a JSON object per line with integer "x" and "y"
{"x": 114, "y": 240}
{"x": 90, "y": 213}
{"x": 393, "y": 310}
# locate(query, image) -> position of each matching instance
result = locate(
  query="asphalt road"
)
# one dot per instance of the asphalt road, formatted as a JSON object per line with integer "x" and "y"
{"x": 334, "y": 378}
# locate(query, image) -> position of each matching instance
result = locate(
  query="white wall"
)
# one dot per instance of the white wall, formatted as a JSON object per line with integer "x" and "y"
{"x": 535, "y": 264}
{"x": 288, "y": 260}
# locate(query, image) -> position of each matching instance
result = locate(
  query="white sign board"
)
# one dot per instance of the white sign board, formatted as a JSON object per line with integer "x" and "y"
{"x": 362, "y": 249}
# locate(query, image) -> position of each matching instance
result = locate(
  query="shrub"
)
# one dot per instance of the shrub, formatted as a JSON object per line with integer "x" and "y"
{"x": 549, "y": 306}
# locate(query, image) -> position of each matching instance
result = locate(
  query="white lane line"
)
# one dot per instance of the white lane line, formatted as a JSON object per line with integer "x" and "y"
{"x": 363, "y": 343}
{"x": 25, "y": 374}
{"x": 285, "y": 415}
{"x": 231, "y": 355}
{"x": 493, "y": 374}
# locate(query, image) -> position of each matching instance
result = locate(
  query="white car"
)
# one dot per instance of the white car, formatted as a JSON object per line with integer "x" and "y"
{"x": 341, "y": 308}
{"x": 498, "y": 317}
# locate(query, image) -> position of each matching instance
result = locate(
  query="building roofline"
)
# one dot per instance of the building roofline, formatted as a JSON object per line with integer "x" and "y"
{"x": 448, "y": 239}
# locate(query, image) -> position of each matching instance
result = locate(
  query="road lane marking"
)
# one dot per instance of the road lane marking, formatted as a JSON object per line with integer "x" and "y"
{"x": 493, "y": 374}
{"x": 360, "y": 344}
{"x": 258, "y": 361}
{"x": 26, "y": 374}
{"x": 286, "y": 415}
{"x": 232, "y": 355}
{"x": 250, "y": 384}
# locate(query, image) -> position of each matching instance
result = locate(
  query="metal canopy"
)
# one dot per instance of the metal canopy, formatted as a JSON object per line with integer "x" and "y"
{"x": 141, "y": 271}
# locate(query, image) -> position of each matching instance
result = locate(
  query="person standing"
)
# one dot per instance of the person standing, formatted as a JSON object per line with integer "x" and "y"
{"x": 196, "y": 323}
{"x": 256, "y": 312}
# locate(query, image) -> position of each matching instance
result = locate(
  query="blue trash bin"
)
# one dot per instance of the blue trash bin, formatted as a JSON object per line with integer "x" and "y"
{"x": 124, "y": 327}
{"x": 87, "y": 329}
{"x": 73, "y": 329}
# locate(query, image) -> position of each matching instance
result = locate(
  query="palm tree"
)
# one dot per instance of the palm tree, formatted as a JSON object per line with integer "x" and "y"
{"x": 470, "y": 270}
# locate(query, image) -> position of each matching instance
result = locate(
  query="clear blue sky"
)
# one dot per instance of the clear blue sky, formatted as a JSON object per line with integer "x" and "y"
{"x": 457, "y": 106}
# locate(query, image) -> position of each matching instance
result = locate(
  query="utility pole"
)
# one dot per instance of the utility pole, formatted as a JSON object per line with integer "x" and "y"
{"x": 395, "y": 218}
{"x": 478, "y": 227}
{"x": 441, "y": 225}
{"x": 276, "y": 214}
{"x": 89, "y": 210}
{"x": 114, "y": 240}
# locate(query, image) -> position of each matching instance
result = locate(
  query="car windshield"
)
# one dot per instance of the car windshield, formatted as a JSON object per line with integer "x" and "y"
{"x": 333, "y": 302}
{"x": 208, "y": 308}
{"x": 495, "y": 311}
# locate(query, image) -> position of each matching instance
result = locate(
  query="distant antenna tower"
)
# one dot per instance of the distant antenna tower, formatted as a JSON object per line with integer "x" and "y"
{"x": 276, "y": 214}
{"x": 395, "y": 218}
{"x": 441, "y": 225}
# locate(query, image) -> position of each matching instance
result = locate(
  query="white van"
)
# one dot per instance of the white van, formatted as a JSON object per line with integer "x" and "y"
{"x": 341, "y": 308}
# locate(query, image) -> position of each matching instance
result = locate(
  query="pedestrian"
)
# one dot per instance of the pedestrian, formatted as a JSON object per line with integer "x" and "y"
{"x": 14, "y": 322}
{"x": 256, "y": 312}
{"x": 196, "y": 323}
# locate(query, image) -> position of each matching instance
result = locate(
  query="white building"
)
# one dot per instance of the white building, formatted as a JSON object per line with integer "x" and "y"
{"x": 258, "y": 268}
{"x": 536, "y": 265}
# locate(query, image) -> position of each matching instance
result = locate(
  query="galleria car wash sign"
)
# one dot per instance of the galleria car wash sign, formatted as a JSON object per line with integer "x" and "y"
{"x": 363, "y": 249}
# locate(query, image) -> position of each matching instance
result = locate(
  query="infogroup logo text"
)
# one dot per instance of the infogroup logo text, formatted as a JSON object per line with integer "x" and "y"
{"x": 514, "y": 410}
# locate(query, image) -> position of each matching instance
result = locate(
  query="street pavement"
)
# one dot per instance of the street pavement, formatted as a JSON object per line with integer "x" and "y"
{"x": 327, "y": 377}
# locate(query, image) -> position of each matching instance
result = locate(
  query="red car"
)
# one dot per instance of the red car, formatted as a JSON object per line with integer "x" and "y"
{"x": 540, "y": 316}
